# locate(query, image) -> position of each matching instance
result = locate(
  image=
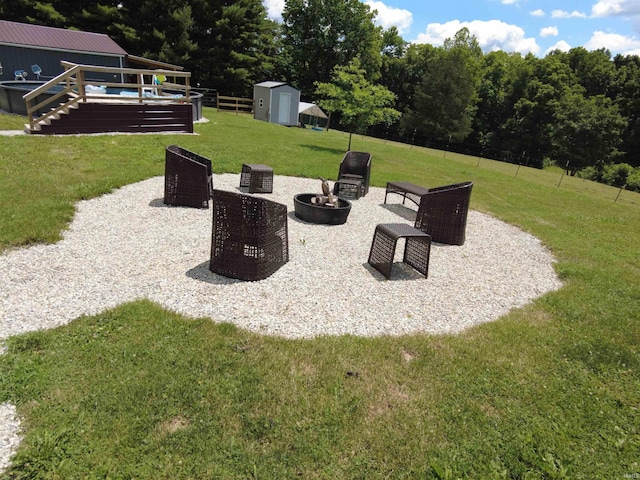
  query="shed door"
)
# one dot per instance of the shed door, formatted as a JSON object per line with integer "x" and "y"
{"x": 284, "y": 111}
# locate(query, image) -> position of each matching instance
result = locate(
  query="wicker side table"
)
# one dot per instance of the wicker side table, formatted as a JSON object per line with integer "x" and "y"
{"x": 258, "y": 177}
{"x": 383, "y": 248}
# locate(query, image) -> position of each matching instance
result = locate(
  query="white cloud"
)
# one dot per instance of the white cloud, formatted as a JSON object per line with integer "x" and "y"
{"x": 549, "y": 32}
{"x": 391, "y": 17}
{"x": 491, "y": 35}
{"x": 537, "y": 13}
{"x": 610, "y": 8}
{"x": 614, "y": 43}
{"x": 561, "y": 45}
{"x": 274, "y": 9}
{"x": 509, "y": 2}
{"x": 565, "y": 14}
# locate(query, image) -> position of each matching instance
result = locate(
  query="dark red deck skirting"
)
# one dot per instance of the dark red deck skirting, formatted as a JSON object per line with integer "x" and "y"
{"x": 126, "y": 118}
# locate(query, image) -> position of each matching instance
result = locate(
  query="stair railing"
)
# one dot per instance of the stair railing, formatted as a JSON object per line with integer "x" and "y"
{"x": 73, "y": 87}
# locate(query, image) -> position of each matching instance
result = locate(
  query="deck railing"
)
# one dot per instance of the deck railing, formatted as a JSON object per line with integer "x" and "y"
{"x": 151, "y": 87}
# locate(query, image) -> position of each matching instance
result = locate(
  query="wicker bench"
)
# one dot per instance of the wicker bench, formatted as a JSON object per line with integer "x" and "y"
{"x": 258, "y": 177}
{"x": 383, "y": 248}
{"x": 406, "y": 190}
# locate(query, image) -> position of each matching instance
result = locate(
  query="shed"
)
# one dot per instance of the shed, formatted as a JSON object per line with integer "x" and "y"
{"x": 38, "y": 50}
{"x": 276, "y": 102}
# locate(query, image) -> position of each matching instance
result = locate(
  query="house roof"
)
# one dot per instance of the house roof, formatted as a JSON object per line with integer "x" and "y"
{"x": 24, "y": 34}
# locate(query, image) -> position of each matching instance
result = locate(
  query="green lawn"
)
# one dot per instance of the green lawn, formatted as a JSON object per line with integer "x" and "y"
{"x": 551, "y": 390}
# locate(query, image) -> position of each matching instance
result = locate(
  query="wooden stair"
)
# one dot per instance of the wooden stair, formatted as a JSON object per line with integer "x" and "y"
{"x": 94, "y": 117}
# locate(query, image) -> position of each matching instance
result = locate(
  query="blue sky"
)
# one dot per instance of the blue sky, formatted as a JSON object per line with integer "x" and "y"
{"x": 525, "y": 26}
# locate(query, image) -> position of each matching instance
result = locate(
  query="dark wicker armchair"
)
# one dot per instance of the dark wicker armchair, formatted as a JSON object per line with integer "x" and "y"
{"x": 356, "y": 166}
{"x": 250, "y": 236}
{"x": 443, "y": 213}
{"x": 187, "y": 178}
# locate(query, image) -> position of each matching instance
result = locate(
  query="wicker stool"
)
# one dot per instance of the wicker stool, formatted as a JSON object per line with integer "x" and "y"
{"x": 383, "y": 248}
{"x": 258, "y": 177}
{"x": 348, "y": 188}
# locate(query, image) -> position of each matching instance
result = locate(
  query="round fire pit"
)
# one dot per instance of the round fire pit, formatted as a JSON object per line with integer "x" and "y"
{"x": 308, "y": 212}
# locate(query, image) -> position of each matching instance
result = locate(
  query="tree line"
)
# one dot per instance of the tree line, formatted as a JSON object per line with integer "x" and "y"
{"x": 576, "y": 109}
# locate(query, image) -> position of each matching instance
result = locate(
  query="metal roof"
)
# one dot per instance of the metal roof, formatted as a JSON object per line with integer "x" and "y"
{"x": 24, "y": 34}
{"x": 270, "y": 84}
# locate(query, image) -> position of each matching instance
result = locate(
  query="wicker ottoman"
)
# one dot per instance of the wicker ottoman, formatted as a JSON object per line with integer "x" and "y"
{"x": 258, "y": 177}
{"x": 383, "y": 247}
{"x": 348, "y": 188}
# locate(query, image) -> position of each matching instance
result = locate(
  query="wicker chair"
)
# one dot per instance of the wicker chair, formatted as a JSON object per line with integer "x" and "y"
{"x": 250, "y": 236}
{"x": 443, "y": 213}
{"x": 187, "y": 178}
{"x": 441, "y": 217}
{"x": 355, "y": 166}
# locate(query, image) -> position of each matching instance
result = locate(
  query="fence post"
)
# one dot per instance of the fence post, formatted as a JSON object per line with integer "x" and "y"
{"x": 520, "y": 163}
{"x": 563, "y": 172}
{"x": 446, "y": 148}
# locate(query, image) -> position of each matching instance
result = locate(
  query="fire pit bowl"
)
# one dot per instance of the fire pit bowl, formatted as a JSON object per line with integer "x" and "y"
{"x": 308, "y": 212}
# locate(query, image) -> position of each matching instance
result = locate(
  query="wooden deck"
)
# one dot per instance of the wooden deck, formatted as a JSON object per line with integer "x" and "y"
{"x": 83, "y": 106}
{"x": 101, "y": 117}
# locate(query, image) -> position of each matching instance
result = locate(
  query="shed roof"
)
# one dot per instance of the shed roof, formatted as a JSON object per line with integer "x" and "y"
{"x": 24, "y": 34}
{"x": 270, "y": 84}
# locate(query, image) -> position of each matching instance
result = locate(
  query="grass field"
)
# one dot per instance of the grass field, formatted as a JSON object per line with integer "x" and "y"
{"x": 550, "y": 390}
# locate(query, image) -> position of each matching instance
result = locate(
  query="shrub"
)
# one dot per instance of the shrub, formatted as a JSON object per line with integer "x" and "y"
{"x": 617, "y": 174}
{"x": 588, "y": 173}
{"x": 633, "y": 181}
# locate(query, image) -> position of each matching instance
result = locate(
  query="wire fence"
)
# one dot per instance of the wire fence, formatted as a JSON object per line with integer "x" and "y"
{"x": 554, "y": 177}
{"x": 511, "y": 163}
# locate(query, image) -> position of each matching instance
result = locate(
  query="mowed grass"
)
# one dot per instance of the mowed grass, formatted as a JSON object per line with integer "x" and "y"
{"x": 549, "y": 391}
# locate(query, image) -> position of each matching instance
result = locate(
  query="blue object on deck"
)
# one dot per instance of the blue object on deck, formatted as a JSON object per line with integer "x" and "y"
{"x": 35, "y": 68}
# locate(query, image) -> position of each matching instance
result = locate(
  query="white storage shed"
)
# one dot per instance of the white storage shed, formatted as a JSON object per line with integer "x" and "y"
{"x": 276, "y": 102}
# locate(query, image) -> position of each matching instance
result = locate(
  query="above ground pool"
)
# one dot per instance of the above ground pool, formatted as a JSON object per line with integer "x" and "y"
{"x": 11, "y": 94}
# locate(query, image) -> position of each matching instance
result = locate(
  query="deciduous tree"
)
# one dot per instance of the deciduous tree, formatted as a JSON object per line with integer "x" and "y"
{"x": 320, "y": 34}
{"x": 445, "y": 100}
{"x": 360, "y": 102}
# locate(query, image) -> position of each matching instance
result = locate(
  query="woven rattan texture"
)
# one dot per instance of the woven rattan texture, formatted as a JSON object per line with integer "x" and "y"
{"x": 383, "y": 247}
{"x": 406, "y": 190}
{"x": 258, "y": 177}
{"x": 250, "y": 236}
{"x": 443, "y": 213}
{"x": 187, "y": 178}
{"x": 356, "y": 165}
{"x": 348, "y": 188}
